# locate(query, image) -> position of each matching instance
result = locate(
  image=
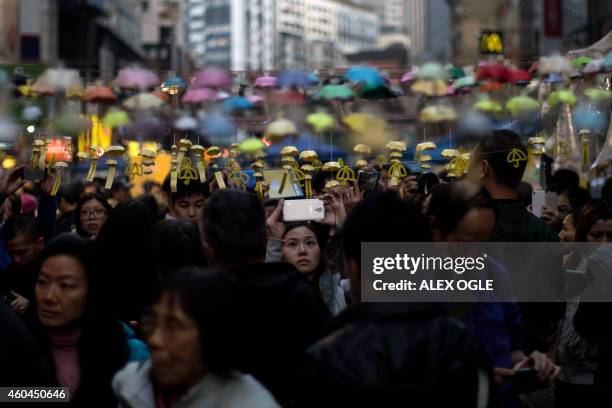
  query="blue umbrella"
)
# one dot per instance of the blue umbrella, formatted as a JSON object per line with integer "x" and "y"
{"x": 218, "y": 128}
{"x": 589, "y": 118}
{"x": 293, "y": 78}
{"x": 313, "y": 79}
{"x": 553, "y": 79}
{"x": 236, "y": 104}
{"x": 370, "y": 76}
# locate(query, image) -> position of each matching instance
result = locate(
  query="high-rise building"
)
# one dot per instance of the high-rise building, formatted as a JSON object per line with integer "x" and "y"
{"x": 276, "y": 34}
{"x": 163, "y": 35}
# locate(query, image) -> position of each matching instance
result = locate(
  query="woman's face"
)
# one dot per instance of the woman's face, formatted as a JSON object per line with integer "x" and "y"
{"x": 174, "y": 339}
{"x": 301, "y": 249}
{"x": 475, "y": 226}
{"x": 61, "y": 292}
{"x": 601, "y": 231}
{"x": 93, "y": 216}
{"x": 568, "y": 230}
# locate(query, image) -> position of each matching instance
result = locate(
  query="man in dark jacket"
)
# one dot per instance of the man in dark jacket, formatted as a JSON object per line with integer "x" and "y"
{"x": 69, "y": 196}
{"x": 278, "y": 313}
{"x": 393, "y": 354}
{"x": 498, "y": 164}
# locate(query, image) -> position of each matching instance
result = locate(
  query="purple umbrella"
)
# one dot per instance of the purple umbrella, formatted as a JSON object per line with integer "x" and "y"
{"x": 293, "y": 78}
{"x": 136, "y": 78}
{"x": 265, "y": 81}
{"x": 200, "y": 95}
{"x": 211, "y": 78}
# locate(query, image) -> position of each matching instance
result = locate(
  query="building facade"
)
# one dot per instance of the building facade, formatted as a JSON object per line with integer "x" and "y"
{"x": 277, "y": 34}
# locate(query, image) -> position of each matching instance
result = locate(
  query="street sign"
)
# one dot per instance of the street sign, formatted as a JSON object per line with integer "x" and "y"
{"x": 491, "y": 42}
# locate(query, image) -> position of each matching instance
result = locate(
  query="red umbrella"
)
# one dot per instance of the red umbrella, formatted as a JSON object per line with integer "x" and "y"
{"x": 519, "y": 76}
{"x": 494, "y": 71}
{"x": 211, "y": 78}
{"x": 287, "y": 97}
{"x": 200, "y": 95}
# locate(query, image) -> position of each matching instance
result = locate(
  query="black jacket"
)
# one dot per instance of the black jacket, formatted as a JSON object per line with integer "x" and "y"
{"x": 396, "y": 354}
{"x": 276, "y": 316}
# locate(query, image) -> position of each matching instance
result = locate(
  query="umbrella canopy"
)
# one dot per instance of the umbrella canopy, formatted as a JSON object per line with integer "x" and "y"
{"x": 137, "y": 78}
{"x": 437, "y": 114}
{"x": 115, "y": 118}
{"x": 58, "y": 79}
{"x": 370, "y": 77}
{"x": 143, "y": 101}
{"x": 465, "y": 82}
{"x": 410, "y": 75}
{"x": 428, "y": 87}
{"x": 433, "y": 71}
{"x": 563, "y": 96}
{"x": 554, "y": 65}
{"x": 236, "y": 104}
{"x": 70, "y": 124}
{"x": 488, "y": 106}
{"x": 581, "y": 61}
{"x": 280, "y": 129}
{"x": 200, "y": 95}
{"x": 598, "y": 95}
{"x": 293, "y": 78}
{"x": 255, "y": 99}
{"x": 265, "y": 81}
{"x": 99, "y": 94}
{"x": 455, "y": 72}
{"x": 520, "y": 76}
{"x": 31, "y": 113}
{"x": 321, "y": 121}
{"x": 593, "y": 67}
{"x": 339, "y": 92}
{"x": 218, "y": 127}
{"x": 522, "y": 104}
{"x": 251, "y": 145}
{"x": 186, "y": 123}
{"x": 494, "y": 71}
{"x": 288, "y": 97}
{"x": 211, "y": 78}
{"x": 173, "y": 85}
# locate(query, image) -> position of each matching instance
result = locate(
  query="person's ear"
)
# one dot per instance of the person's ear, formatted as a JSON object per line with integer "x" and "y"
{"x": 486, "y": 171}
{"x": 40, "y": 242}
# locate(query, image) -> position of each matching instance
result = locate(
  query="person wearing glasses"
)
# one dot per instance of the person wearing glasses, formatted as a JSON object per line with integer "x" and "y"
{"x": 92, "y": 212}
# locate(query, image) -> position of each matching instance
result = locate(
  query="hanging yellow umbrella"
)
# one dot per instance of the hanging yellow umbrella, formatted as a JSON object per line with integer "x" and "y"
{"x": 437, "y": 114}
{"x": 435, "y": 87}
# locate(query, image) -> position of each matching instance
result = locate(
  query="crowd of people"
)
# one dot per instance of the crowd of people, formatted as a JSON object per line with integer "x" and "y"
{"x": 205, "y": 297}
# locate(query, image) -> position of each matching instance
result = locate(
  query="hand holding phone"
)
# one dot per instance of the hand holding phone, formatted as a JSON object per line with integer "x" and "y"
{"x": 303, "y": 210}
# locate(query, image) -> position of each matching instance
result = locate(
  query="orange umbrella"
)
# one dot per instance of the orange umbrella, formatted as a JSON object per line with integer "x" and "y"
{"x": 99, "y": 94}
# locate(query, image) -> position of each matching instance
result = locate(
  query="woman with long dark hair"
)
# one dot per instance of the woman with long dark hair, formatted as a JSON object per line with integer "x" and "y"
{"x": 92, "y": 212}
{"x": 73, "y": 325}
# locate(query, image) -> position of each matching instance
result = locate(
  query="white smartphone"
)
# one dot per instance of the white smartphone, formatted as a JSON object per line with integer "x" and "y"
{"x": 303, "y": 210}
{"x": 538, "y": 201}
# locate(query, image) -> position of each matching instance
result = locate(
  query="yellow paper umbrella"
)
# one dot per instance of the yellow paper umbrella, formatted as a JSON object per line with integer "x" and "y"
{"x": 309, "y": 155}
{"x": 321, "y": 121}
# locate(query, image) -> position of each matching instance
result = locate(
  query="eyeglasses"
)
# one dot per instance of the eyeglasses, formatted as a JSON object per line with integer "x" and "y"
{"x": 96, "y": 212}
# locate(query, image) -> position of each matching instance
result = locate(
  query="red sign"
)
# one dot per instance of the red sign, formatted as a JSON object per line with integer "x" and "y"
{"x": 60, "y": 149}
{"x": 553, "y": 18}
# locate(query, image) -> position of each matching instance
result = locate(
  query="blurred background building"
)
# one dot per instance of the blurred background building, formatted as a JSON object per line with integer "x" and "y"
{"x": 100, "y": 36}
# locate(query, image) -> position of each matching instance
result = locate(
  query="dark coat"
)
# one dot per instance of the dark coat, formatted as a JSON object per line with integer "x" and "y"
{"x": 396, "y": 354}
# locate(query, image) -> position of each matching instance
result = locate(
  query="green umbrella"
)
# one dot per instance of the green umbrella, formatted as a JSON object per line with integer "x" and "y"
{"x": 251, "y": 145}
{"x": 115, "y": 118}
{"x": 69, "y": 124}
{"x": 432, "y": 70}
{"x": 321, "y": 121}
{"x": 598, "y": 95}
{"x": 465, "y": 82}
{"x": 581, "y": 61}
{"x": 522, "y": 104}
{"x": 562, "y": 96}
{"x": 488, "y": 106}
{"x": 455, "y": 72}
{"x": 340, "y": 92}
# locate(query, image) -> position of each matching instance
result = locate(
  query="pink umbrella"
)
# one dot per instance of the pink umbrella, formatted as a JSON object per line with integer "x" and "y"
{"x": 255, "y": 99}
{"x": 211, "y": 78}
{"x": 265, "y": 81}
{"x": 136, "y": 78}
{"x": 200, "y": 95}
{"x": 410, "y": 75}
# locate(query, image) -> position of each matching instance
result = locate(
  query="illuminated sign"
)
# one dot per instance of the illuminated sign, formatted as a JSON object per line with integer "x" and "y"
{"x": 491, "y": 42}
